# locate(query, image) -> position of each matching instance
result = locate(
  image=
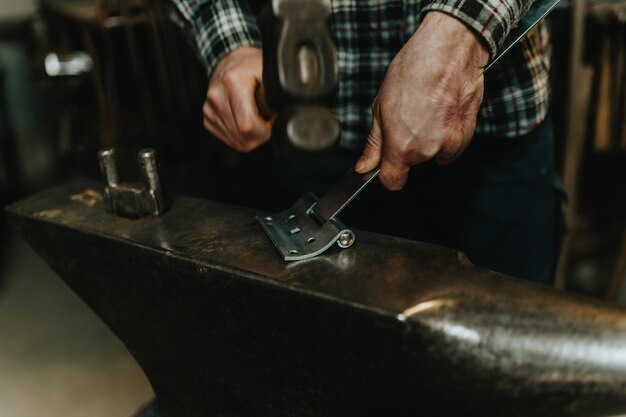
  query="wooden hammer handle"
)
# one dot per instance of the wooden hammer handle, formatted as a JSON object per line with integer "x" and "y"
{"x": 265, "y": 110}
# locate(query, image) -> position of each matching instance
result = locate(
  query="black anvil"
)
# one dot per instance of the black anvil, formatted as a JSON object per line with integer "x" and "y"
{"x": 390, "y": 327}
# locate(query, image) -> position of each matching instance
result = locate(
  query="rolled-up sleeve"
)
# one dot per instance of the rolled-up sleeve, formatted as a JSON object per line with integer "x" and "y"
{"x": 216, "y": 27}
{"x": 492, "y": 20}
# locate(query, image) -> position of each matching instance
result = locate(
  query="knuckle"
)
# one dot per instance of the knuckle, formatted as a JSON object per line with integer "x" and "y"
{"x": 212, "y": 90}
{"x": 213, "y": 98}
{"x": 428, "y": 152}
{"x": 247, "y": 129}
{"x": 405, "y": 150}
{"x": 408, "y": 149}
{"x": 231, "y": 79}
{"x": 428, "y": 149}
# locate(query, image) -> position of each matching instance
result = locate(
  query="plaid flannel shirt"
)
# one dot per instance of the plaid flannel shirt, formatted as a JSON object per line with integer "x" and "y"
{"x": 369, "y": 33}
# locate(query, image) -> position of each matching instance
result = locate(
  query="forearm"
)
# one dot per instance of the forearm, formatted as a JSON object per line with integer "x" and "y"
{"x": 491, "y": 20}
{"x": 217, "y": 27}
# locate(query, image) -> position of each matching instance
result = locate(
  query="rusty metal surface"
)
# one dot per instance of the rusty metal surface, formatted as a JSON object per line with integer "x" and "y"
{"x": 222, "y": 326}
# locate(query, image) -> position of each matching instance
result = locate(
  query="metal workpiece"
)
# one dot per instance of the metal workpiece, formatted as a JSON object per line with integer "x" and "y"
{"x": 297, "y": 235}
{"x": 391, "y": 327}
{"x": 133, "y": 200}
{"x": 311, "y": 226}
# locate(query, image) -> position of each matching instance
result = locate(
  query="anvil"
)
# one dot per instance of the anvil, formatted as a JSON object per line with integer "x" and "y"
{"x": 390, "y": 327}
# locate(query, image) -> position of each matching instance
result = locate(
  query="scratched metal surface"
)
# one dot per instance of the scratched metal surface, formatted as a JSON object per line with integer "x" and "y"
{"x": 222, "y": 326}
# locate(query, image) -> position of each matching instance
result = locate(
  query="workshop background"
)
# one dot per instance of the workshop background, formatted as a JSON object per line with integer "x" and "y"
{"x": 79, "y": 75}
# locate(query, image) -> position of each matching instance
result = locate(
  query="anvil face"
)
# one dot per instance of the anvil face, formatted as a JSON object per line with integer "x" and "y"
{"x": 389, "y": 327}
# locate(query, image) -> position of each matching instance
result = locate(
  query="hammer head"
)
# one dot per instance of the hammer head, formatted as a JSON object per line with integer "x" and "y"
{"x": 300, "y": 72}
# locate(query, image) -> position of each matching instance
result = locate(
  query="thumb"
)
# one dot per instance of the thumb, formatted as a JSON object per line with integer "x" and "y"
{"x": 372, "y": 153}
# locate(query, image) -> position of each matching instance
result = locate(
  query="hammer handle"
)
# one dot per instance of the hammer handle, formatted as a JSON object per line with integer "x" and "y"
{"x": 265, "y": 110}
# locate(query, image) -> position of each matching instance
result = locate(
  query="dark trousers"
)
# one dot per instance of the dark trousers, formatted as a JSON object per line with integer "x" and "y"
{"x": 500, "y": 202}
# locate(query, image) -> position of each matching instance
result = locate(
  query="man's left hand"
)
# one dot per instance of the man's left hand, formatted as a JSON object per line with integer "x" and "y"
{"x": 428, "y": 103}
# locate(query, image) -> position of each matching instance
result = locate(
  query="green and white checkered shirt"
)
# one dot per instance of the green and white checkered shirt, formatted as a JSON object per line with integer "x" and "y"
{"x": 369, "y": 33}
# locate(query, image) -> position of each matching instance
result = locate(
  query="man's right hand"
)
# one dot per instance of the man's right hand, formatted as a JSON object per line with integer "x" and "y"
{"x": 230, "y": 110}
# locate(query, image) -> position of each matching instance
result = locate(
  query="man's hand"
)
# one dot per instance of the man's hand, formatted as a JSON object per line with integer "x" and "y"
{"x": 230, "y": 111}
{"x": 428, "y": 103}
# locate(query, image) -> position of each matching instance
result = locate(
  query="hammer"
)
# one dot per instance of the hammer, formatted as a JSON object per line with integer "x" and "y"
{"x": 300, "y": 74}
